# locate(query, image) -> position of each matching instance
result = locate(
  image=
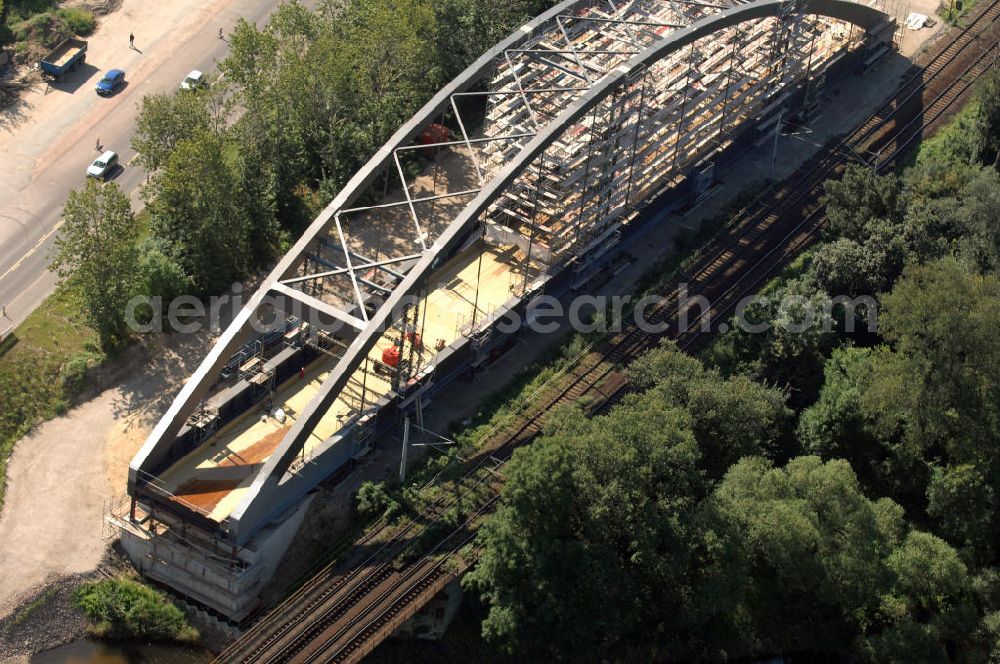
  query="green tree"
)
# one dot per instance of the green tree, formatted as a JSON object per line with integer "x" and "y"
{"x": 829, "y": 569}
{"x": 978, "y": 233}
{"x": 837, "y": 426}
{"x": 963, "y": 505}
{"x": 95, "y": 255}
{"x": 928, "y": 606}
{"x": 251, "y": 64}
{"x": 164, "y": 121}
{"x": 798, "y": 333}
{"x": 730, "y": 418}
{"x": 5, "y": 34}
{"x": 988, "y": 117}
{"x": 468, "y": 28}
{"x": 859, "y": 198}
{"x": 847, "y": 267}
{"x": 938, "y": 387}
{"x": 594, "y": 506}
{"x": 813, "y": 547}
{"x": 383, "y": 67}
{"x": 197, "y": 215}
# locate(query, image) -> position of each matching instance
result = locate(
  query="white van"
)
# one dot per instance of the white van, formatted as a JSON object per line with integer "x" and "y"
{"x": 194, "y": 80}
{"x": 103, "y": 165}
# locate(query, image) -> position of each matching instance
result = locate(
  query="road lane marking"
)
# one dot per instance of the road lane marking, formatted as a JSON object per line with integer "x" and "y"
{"x": 40, "y": 242}
{"x": 27, "y": 290}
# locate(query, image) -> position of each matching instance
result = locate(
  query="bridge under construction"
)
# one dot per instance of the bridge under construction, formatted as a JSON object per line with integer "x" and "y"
{"x": 518, "y": 178}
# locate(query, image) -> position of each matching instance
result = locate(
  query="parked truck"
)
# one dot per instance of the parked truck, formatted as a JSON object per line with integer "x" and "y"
{"x": 69, "y": 54}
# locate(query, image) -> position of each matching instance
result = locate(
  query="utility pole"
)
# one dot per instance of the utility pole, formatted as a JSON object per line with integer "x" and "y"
{"x": 774, "y": 149}
{"x": 406, "y": 444}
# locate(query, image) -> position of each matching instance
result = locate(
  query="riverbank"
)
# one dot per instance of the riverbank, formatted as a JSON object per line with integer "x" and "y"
{"x": 46, "y": 619}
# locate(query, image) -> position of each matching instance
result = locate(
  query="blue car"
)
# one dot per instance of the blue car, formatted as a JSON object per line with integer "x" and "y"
{"x": 112, "y": 80}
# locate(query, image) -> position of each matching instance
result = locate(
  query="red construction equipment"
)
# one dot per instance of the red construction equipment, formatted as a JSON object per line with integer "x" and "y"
{"x": 435, "y": 133}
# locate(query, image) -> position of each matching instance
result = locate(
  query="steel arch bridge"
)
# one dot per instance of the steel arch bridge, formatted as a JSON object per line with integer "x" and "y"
{"x": 534, "y": 157}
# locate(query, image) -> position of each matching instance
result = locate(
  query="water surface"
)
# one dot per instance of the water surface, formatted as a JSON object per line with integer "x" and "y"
{"x": 85, "y": 651}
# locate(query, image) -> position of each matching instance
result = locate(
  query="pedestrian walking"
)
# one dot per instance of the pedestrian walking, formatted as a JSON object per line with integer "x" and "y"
{"x": 220, "y": 34}
{"x": 97, "y": 145}
{"x": 131, "y": 40}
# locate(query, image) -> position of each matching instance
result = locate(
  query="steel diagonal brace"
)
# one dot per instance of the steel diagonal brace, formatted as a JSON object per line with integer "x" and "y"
{"x": 468, "y": 143}
{"x": 569, "y": 43}
{"x": 317, "y": 305}
{"x": 633, "y": 35}
{"x": 344, "y": 270}
{"x": 423, "y": 199}
{"x": 409, "y": 202}
{"x": 564, "y": 51}
{"x": 350, "y": 268}
{"x": 520, "y": 89}
{"x": 530, "y": 91}
{"x": 485, "y": 139}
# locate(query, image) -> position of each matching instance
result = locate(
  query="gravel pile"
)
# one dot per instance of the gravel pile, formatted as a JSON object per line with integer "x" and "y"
{"x": 46, "y": 620}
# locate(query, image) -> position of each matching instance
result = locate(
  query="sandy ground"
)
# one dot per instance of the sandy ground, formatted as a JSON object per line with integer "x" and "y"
{"x": 61, "y": 475}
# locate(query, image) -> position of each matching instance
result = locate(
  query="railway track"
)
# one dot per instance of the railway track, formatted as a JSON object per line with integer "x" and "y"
{"x": 337, "y": 618}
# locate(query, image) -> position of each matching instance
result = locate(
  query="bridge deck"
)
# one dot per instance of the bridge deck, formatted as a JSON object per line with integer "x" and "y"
{"x": 214, "y": 477}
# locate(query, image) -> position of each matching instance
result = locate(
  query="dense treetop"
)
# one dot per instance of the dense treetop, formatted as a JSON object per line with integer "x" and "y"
{"x": 830, "y": 491}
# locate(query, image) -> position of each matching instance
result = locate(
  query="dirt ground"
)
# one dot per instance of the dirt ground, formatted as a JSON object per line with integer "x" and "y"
{"x": 61, "y": 474}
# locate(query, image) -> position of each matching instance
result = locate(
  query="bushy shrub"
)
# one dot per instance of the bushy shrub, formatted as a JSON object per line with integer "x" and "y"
{"x": 126, "y": 609}
{"x": 79, "y": 21}
{"x": 160, "y": 274}
{"x": 374, "y": 499}
{"x": 45, "y": 29}
{"x": 22, "y": 9}
{"x": 75, "y": 372}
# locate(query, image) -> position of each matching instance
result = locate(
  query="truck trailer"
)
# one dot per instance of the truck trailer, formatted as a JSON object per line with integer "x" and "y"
{"x": 69, "y": 54}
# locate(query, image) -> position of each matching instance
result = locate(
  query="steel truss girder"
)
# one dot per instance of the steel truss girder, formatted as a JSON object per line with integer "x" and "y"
{"x": 273, "y": 490}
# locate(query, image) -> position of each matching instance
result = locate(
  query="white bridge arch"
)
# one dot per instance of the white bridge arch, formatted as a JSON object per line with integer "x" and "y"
{"x": 619, "y": 88}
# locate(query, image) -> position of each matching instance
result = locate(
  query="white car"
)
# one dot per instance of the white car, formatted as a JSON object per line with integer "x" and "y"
{"x": 193, "y": 80}
{"x": 103, "y": 165}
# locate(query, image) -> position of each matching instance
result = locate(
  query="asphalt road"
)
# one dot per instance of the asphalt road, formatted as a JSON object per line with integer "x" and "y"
{"x": 30, "y": 215}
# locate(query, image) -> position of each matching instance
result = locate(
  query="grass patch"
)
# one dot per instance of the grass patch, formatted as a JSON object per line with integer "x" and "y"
{"x": 79, "y": 21}
{"x": 955, "y": 144}
{"x": 953, "y": 11}
{"x": 43, "y": 366}
{"x": 510, "y": 399}
{"x": 41, "y": 601}
{"x": 125, "y": 609}
{"x": 18, "y": 10}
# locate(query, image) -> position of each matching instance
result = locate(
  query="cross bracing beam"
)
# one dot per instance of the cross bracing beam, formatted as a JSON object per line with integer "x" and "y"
{"x": 275, "y": 487}
{"x": 283, "y": 290}
{"x": 335, "y": 271}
